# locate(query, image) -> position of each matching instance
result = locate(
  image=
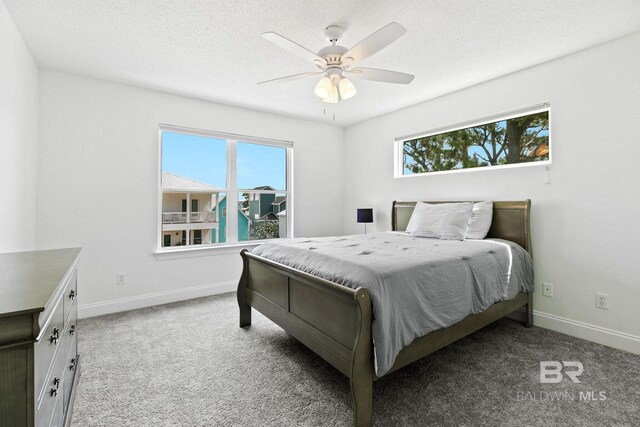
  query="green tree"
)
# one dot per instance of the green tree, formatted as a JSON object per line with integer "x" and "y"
{"x": 489, "y": 138}
{"x": 436, "y": 153}
{"x": 522, "y": 139}
{"x": 527, "y": 137}
{"x": 245, "y": 201}
{"x": 259, "y": 230}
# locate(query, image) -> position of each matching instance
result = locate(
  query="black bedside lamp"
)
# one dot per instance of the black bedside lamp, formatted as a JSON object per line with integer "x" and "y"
{"x": 365, "y": 215}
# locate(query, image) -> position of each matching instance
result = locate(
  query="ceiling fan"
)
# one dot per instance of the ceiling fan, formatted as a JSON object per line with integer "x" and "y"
{"x": 335, "y": 63}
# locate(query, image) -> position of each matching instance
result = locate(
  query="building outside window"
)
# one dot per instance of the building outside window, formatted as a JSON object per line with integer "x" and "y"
{"x": 204, "y": 173}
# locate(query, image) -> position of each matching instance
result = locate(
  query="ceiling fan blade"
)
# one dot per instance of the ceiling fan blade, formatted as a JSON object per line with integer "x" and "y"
{"x": 375, "y": 42}
{"x": 291, "y": 77}
{"x": 292, "y": 47}
{"x": 378, "y": 75}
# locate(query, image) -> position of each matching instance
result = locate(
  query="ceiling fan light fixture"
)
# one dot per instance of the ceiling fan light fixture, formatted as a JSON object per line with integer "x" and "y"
{"x": 347, "y": 89}
{"x": 334, "y": 96}
{"x": 323, "y": 88}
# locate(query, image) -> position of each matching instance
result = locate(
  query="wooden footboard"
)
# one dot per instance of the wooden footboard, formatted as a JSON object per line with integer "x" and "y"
{"x": 332, "y": 320}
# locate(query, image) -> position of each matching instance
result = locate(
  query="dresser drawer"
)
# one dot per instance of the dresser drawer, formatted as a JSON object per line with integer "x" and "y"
{"x": 45, "y": 411}
{"x": 57, "y": 418}
{"x": 45, "y": 349}
{"x": 70, "y": 331}
{"x": 70, "y": 367}
{"x": 70, "y": 294}
{"x": 71, "y": 327}
{"x": 51, "y": 404}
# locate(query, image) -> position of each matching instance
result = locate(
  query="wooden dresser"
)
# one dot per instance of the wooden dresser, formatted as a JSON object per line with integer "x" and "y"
{"x": 39, "y": 363}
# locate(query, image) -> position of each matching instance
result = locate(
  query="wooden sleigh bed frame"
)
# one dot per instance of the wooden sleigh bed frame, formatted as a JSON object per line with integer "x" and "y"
{"x": 335, "y": 321}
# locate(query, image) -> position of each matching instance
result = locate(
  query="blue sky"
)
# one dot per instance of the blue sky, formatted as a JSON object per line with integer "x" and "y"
{"x": 205, "y": 159}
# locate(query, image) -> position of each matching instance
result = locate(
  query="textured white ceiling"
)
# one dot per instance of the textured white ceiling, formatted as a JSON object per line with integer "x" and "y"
{"x": 212, "y": 49}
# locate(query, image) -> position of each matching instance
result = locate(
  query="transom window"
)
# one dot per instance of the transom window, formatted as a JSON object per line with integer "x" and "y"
{"x": 204, "y": 174}
{"x": 518, "y": 139}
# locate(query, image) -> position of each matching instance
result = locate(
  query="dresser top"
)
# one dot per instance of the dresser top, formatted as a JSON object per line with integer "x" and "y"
{"x": 28, "y": 280}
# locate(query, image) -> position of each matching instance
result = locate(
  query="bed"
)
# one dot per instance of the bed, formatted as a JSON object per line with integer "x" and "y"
{"x": 335, "y": 321}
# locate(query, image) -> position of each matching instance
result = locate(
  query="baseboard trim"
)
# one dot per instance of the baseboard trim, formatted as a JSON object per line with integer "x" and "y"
{"x": 140, "y": 301}
{"x": 587, "y": 331}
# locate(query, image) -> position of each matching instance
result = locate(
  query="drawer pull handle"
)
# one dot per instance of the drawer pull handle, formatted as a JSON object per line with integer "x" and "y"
{"x": 72, "y": 294}
{"x": 56, "y": 386}
{"x": 55, "y": 336}
{"x": 72, "y": 365}
{"x": 72, "y": 329}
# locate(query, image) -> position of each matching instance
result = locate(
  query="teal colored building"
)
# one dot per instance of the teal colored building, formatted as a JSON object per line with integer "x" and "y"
{"x": 266, "y": 206}
{"x": 261, "y": 205}
{"x": 243, "y": 223}
{"x": 279, "y": 204}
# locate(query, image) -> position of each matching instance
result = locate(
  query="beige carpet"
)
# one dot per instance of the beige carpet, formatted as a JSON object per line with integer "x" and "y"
{"x": 189, "y": 364}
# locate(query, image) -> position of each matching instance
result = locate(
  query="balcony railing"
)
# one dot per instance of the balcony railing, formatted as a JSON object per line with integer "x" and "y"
{"x": 184, "y": 218}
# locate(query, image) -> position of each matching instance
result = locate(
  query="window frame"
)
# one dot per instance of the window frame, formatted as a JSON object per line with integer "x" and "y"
{"x": 231, "y": 191}
{"x": 398, "y": 171}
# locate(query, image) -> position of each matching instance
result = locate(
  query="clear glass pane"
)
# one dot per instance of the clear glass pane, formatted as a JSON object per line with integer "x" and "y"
{"x": 194, "y": 171}
{"x": 189, "y": 160}
{"x": 262, "y": 216}
{"x": 261, "y": 166}
{"x": 522, "y": 139}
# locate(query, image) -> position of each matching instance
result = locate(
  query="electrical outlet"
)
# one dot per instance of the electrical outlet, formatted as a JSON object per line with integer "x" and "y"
{"x": 547, "y": 289}
{"x": 120, "y": 279}
{"x": 602, "y": 301}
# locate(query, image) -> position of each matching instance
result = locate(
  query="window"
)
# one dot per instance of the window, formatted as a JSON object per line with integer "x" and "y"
{"x": 514, "y": 140}
{"x": 205, "y": 173}
{"x": 197, "y": 237}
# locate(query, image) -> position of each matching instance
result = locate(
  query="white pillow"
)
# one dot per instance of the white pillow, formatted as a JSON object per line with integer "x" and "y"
{"x": 447, "y": 221}
{"x": 480, "y": 221}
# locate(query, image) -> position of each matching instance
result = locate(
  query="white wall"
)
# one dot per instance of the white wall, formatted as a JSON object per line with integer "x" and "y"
{"x": 101, "y": 139}
{"x": 585, "y": 222}
{"x": 18, "y": 144}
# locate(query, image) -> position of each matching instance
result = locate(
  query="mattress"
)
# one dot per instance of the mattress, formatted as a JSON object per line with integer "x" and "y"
{"x": 417, "y": 285}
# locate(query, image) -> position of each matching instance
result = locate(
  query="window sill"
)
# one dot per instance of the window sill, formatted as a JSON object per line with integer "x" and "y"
{"x": 170, "y": 254}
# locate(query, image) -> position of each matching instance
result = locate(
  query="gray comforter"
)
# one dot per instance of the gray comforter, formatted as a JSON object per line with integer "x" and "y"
{"x": 417, "y": 285}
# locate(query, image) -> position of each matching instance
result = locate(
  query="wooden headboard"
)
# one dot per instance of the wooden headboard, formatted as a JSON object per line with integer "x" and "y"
{"x": 510, "y": 220}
